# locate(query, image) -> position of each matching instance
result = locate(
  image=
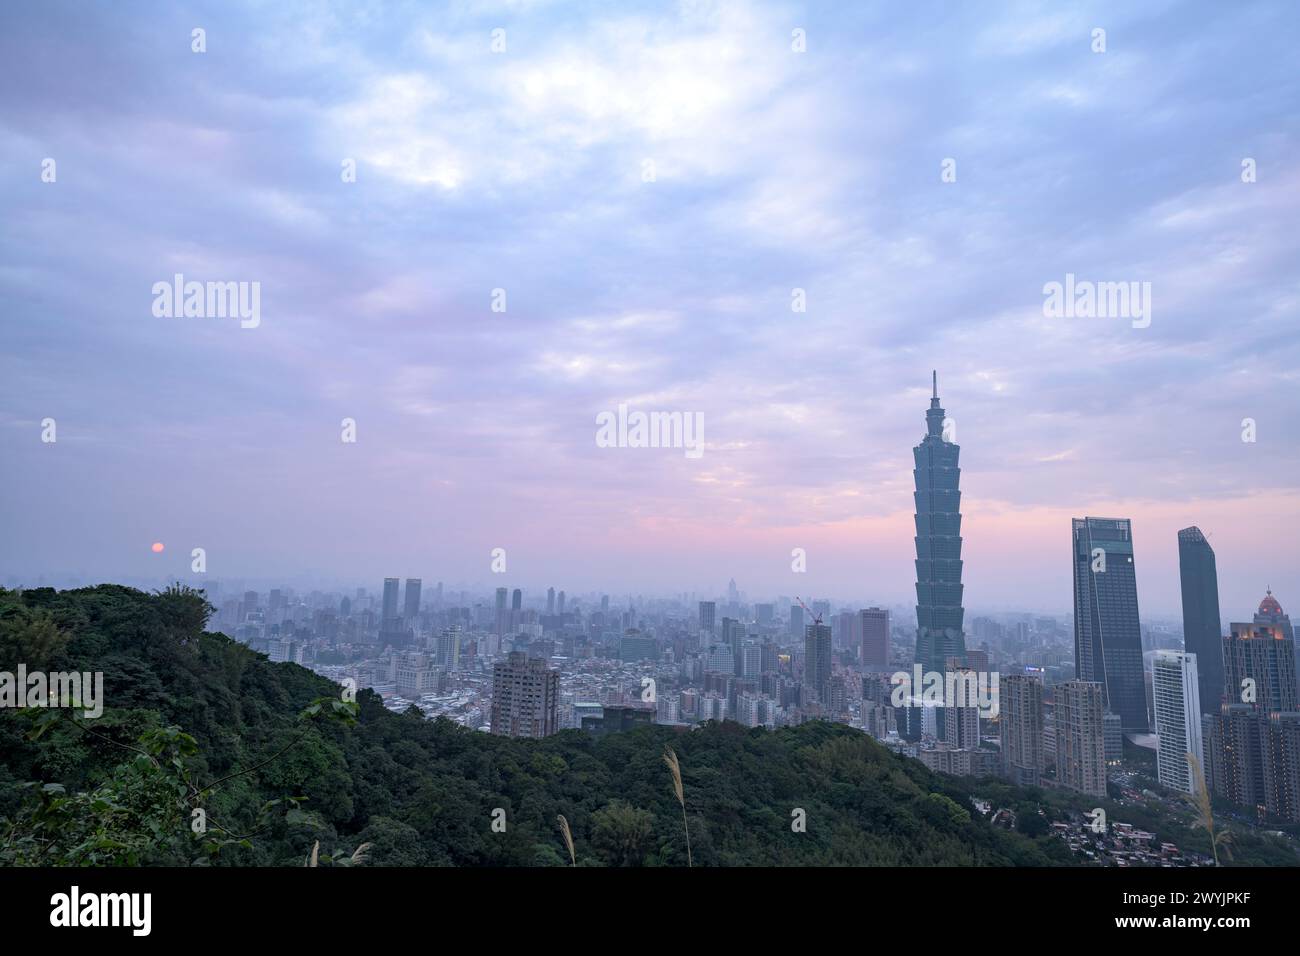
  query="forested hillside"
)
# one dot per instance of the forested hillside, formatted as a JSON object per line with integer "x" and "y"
{"x": 275, "y": 765}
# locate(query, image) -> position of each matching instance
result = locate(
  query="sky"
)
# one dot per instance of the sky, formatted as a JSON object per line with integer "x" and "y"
{"x": 648, "y": 186}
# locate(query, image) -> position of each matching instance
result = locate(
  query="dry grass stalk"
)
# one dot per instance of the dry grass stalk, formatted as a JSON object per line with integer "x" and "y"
{"x": 670, "y": 758}
{"x": 568, "y": 838}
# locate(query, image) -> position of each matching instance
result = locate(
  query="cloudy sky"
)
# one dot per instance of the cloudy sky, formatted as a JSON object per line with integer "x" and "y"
{"x": 648, "y": 184}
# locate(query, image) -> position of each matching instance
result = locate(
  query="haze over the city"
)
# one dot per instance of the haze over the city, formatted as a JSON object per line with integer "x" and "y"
{"x": 665, "y": 287}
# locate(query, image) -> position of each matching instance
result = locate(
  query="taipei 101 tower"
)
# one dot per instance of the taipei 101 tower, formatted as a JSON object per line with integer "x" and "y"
{"x": 939, "y": 633}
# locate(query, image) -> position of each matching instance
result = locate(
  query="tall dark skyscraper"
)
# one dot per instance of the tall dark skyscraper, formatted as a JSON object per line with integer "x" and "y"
{"x": 550, "y": 601}
{"x": 1107, "y": 635}
{"x": 939, "y": 634}
{"x": 412, "y": 600}
{"x": 708, "y": 610}
{"x": 1202, "y": 626}
{"x": 389, "y": 614}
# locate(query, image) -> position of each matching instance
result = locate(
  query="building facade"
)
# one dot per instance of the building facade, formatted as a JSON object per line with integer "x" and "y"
{"x": 937, "y": 477}
{"x": 525, "y": 697}
{"x": 1175, "y": 689}
{"x": 1107, "y": 634}
{"x": 1202, "y": 626}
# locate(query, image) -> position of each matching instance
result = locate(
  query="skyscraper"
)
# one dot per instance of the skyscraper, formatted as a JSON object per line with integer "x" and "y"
{"x": 1270, "y": 612}
{"x": 1021, "y": 725}
{"x": 502, "y": 615}
{"x": 817, "y": 661}
{"x": 939, "y": 634}
{"x": 559, "y": 603}
{"x": 875, "y": 639}
{"x": 1080, "y": 737}
{"x": 1175, "y": 689}
{"x": 796, "y": 621}
{"x": 550, "y": 601}
{"x": 516, "y": 600}
{"x": 707, "y": 611}
{"x": 412, "y": 603}
{"x": 1259, "y": 665}
{"x": 1107, "y": 635}
{"x": 525, "y": 697}
{"x": 1202, "y": 626}
{"x": 389, "y": 615}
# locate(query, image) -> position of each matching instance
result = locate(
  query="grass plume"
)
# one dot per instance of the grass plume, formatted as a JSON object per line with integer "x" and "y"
{"x": 675, "y": 768}
{"x": 568, "y": 838}
{"x": 1204, "y": 812}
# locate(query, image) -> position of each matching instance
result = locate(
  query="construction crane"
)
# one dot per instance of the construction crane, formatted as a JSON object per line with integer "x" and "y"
{"x": 817, "y": 618}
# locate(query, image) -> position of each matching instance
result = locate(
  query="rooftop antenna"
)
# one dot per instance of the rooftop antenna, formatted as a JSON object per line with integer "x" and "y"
{"x": 935, "y": 373}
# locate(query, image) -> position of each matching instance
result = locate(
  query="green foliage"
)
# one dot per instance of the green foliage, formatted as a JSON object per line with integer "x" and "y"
{"x": 284, "y": 771}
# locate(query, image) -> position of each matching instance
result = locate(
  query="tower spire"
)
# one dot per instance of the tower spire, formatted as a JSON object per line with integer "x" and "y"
{"x": 935, "y": 375}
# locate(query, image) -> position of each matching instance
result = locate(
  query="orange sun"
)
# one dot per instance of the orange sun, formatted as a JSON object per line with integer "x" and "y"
{"x": 157, "y": 547}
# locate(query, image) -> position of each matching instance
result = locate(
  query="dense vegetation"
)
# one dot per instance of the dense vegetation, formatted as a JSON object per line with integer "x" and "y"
{"x": 278, "y": 765}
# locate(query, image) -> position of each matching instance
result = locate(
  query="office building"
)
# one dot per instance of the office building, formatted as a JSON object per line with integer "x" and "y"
{"x": 939, "y": 633}
{"x": 1202, "y": 626}
{"x": 388, "y": 617}
{"x": 412, "y": 600}
{"x": 875, "y": 639}
{"x": 708, "y": 610}
{"x": 1107, "y": 635}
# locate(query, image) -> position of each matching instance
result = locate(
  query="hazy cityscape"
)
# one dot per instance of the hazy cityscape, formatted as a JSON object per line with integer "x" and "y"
{"x": 520, "y": 448}
{"x": 1096, "y": 703}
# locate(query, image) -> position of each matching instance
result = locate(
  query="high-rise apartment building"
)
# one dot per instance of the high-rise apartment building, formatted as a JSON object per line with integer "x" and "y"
{"x": 1282, "y": 767}
{"x": 1020, "y": 722}
{"x": 1080, "y": 737}
{"x": 1271, "y": 613}
{"x": 1176, "y": 696}
{"x": 1107, "y": 635}
{"x": 1259, "y": 667}
{"x": 550, "y": 601}
{"x": 817, "y": 661}
{"x": 961, "y": 719}
{"x": 1202, "y": 626}
{"x": 939, "y": 633}
{"x": 448, "y": 650}
{"x": 525, "y": 697}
